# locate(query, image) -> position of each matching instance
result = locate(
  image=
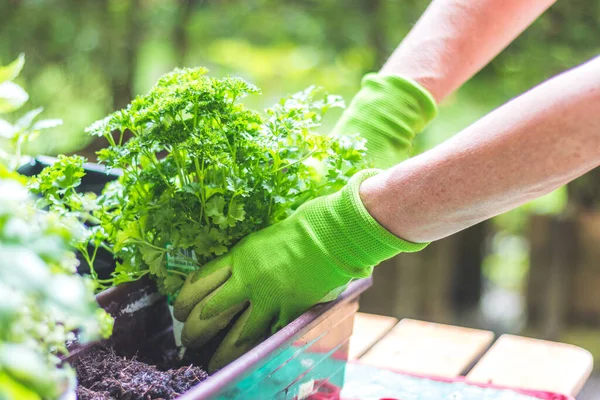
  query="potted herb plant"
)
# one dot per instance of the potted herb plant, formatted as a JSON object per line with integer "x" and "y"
{"x": 200, "y": 172}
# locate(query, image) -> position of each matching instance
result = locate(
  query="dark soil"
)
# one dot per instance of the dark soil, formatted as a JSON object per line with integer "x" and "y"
{"x": 104, "y": 375}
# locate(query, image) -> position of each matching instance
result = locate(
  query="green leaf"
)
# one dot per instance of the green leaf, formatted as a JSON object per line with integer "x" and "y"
{"x": 12, "y": 97}
{"x": 125, "y": 272}
{"x": 218, "y": 249}
{"x": 154, "y": 259}
{"x": 106, "y": 322}
{"x": 132, "y": 231}
{"x": 6, "y": 129}
{"x": 172, "y": 283}
{"x": 192, "y": 188}
{"x": 211, "y": 191}
{"x": 236, "y": 211}
{"x": 208, "y": 242}
{"x": 11, "y": 389}
{"x": 215, "y": 206}
{"x": 26, "y": 120}
{"x": 28, "y": 367}
{"x": 47, "y": 124}
{"x": 12, "y": 70}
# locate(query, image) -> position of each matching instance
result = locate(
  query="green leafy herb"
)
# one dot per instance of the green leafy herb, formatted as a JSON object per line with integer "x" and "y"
{"x": 201, "y": 172}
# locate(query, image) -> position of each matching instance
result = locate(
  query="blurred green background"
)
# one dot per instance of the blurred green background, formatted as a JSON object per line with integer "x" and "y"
{"x": 86, "y": 58}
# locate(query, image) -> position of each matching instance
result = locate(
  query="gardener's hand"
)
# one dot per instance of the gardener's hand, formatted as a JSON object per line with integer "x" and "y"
{"x": 281, "y": 271}
{"x": 388, "y": 112}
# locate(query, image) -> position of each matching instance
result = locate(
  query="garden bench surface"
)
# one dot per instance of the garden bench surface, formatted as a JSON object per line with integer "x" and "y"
{"x": 447, "y": 351}
{"x": 534, "y": 364}
{"x": 368, "y": 330}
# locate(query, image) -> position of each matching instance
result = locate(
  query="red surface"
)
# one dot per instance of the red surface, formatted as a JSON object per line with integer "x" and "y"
{"x": 328, "y": 391}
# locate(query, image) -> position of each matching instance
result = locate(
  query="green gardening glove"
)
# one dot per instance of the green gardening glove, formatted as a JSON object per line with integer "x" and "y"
{"x": 388, "y": 112}
{"x": 276, "y": 274}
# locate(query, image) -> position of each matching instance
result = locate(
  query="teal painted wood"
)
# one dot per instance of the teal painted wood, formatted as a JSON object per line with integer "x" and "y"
{"x": 295, "y": 361}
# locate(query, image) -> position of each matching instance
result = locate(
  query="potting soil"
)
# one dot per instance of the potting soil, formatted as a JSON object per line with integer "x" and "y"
{"x": 104, "y": 375}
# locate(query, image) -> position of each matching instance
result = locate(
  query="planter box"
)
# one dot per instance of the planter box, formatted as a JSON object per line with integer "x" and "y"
{"x": 308, "y": 354}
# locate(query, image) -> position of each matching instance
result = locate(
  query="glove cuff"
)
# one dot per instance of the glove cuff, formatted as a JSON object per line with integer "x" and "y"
{"x": 388, "y": 111}
{"x": 393, "y": 95}
{"x": 350, "y": 235}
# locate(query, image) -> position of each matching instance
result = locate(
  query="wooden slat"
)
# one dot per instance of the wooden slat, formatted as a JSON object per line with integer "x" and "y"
{"x": 428, "y": 348}
{"x": 368, "y": 329}
{"x": 534, "y": 364}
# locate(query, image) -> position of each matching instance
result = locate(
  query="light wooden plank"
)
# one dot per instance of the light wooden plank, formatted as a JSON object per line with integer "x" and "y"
{"x": 534, "y": 364}
{"x": 427, "y": 348}
{"x": 368, "y": 330}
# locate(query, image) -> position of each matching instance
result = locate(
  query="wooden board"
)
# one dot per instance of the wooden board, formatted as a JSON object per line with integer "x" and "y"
{"x": 534, "y": 364}
{"x": 428, "y": 348}
{"x": 368, "y": 330}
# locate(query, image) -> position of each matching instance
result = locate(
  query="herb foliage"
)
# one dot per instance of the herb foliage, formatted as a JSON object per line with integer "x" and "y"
{"x": 200, "y": 172}
{"x": 43, "y": 302}
{"x": 14, "y": 135}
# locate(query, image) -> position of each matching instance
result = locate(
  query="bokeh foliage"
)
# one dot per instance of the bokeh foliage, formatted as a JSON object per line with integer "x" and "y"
{"x": 87, "y": 58}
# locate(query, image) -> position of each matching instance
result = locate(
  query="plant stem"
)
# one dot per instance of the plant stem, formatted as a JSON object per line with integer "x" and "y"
{"x": 307, "y": 156}
{"x": 174, "y": 271}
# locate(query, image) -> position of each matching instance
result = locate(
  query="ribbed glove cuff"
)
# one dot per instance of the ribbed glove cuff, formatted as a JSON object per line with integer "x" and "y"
{"x": 385, "y": 95}
{"x": 388, "y": 111}
{"x": 351, "y": 236}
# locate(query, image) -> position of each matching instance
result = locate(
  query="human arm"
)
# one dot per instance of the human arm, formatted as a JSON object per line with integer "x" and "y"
{"x": 521, "y": 151}
{"x": 451, "y": 42}
{"x": 454, "y": 39}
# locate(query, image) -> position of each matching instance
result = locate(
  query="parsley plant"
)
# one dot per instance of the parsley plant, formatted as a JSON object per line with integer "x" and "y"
{"x": 200, "y": 172}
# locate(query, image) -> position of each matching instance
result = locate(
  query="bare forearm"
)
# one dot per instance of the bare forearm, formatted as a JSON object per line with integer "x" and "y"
{"x": 454, "y": 39}
{"x": 523, "y": 150}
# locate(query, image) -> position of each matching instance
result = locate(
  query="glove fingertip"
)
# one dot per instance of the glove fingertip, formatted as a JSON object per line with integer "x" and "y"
{"x": 197, "y": 331}
{"x": 197, "y": 287}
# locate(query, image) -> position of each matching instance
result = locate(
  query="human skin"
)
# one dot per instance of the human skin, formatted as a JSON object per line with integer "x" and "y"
{"x": 525, "y": 149}
{"x": 454, "y": 39}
